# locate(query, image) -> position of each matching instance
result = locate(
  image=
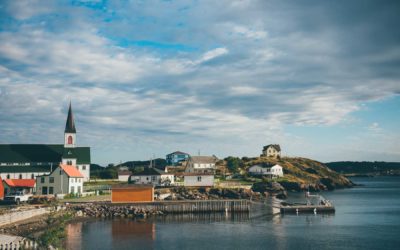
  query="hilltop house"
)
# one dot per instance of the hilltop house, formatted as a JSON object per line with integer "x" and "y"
{"x": 273, "y": 172}
{"x": 65, "y": 179}
{"x": 27, "y": 161}
{"x": 200, "y": 171}
{"x": 153, "y": 176}
{"x": 176, "y": 157}
{"x": 272, "y": 150}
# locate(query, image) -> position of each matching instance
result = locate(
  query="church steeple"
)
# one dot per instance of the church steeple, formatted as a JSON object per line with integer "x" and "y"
{"x": 70, "y": 124}
{"x": 70, "y": 131}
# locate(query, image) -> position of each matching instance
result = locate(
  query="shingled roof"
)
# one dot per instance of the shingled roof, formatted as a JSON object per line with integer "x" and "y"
{"x": 203, "y": 159}
{"x": 275, "y": 146}
{"x": 70, "y": 124}
{"x": 43, "y": 153}
{"x": 71, "y": 171}
{"x": 20, "y": 182}
{"x": 150, "y": 171}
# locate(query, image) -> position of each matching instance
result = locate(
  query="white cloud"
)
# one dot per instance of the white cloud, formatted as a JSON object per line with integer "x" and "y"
{"x": 264, "y": 72}
{"x": 209, "y": 55}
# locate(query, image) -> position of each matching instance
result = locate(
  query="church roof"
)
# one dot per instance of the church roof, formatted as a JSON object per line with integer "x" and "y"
{"x": 43, "y": 153}
{"x": 70, "y": 124}
{"x": 27, "y": 169}
{"x": 82, "y": 154}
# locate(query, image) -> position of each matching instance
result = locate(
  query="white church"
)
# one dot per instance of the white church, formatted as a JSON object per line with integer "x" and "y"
{"x": 27, "y": 161}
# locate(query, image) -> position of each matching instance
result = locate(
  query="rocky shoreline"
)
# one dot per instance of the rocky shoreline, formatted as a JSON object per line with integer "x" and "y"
{"x": 107, "y": 211}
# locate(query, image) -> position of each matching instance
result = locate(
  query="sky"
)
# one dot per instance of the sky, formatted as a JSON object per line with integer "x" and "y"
{"x": 146, "y": 78}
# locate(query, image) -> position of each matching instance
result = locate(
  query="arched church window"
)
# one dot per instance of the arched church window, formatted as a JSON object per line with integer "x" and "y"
{"x": 70, "y": 140}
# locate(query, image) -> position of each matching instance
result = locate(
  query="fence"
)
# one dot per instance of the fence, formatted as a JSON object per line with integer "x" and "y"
{"x": 10, "y": 242}
{"x": 96, "y": 188}
{"x": 9, "y": 218}
{"x": 232, "y": 184}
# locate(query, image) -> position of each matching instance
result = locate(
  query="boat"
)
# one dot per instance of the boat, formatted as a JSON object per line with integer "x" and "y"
{"x": 315, "y": 204}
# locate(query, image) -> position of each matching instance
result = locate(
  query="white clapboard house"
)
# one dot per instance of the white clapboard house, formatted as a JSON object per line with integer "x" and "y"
{"x": 260, "y": 170}
{"x": 200, "y": 171}
{"x": 65, "y": 179}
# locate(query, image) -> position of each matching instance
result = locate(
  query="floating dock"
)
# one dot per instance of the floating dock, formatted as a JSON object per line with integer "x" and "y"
{"x": 307, "y": 209}
{"x": 315, "y": 204}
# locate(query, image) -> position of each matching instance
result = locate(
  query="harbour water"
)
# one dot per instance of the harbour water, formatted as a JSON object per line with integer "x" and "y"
{"x": 367, "y": 217}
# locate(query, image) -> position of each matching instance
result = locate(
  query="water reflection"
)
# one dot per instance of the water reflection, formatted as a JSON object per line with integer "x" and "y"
{"x": 74, "y": 235}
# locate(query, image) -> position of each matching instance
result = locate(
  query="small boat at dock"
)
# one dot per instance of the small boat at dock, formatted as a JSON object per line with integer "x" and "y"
{"x": 316, "y": 204}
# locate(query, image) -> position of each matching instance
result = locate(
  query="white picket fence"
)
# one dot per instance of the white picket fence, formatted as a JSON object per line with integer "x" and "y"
{"x": 11, "y": 242}
{"x": 13, "y": 217}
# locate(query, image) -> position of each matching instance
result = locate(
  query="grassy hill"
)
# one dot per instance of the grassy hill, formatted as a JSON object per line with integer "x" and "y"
{"x": 299, "y": 173}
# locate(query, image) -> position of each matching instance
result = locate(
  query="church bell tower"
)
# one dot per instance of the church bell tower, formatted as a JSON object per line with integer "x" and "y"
{"x": 70, "y": 131}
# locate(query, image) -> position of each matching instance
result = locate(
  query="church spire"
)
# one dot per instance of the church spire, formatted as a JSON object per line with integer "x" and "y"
{"x": 70, "y": 124}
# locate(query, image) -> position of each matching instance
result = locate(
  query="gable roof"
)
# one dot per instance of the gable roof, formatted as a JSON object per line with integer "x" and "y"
{"x": 178, "y": 153}
{"x": 44, "y": 153}
{"x": 30, "y": 153}
{"x": 81, "y": 154}
{"x": 20, "y": 182}
{"x": 70, "y": 124}
{"x": 150, "y": 171}
{"x": 124, "y": 172}
{"x": 44, "y": 168}
{"x": 275, "y": 146}
{"x": 71, "y": 171}
{"x": 203, "y": 159}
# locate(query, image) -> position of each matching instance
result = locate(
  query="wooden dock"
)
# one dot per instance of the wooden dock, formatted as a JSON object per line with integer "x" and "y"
{"x": 192, "y": 206}
{"x": 302, "y": 209}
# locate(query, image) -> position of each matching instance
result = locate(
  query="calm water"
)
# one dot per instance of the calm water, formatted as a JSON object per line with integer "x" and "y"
{"x": 367, "y": 217}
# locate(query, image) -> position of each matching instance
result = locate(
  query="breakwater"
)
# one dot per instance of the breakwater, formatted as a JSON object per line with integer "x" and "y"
{"x": 140, "y": 210}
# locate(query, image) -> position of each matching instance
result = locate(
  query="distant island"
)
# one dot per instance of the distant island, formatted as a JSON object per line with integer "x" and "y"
{"x": 365, "y": 168}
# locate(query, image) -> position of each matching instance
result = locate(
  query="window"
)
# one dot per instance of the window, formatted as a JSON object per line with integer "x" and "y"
{"x": 51, "y": 190}
{"x": 84, "y": 167}
{"x": 44, "y": 190}
{"x": 8, "y": 176}
{"x": 72, "y": 190}
{"x": 32, "y": 176}
{"x": 51, "y": 179}
{"x": 69, "y": 162}
{"x": 20, "y": 176}
{"x": 153, "y": 178}
{"x": 79, "y": 189}
{"x": 70, "y": 140}
{"x": 42, "y": 180}
{"x": 72, "y": 180}
{"x": 198, "y": 178}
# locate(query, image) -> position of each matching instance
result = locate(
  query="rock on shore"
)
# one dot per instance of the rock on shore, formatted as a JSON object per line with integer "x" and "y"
{"x": 107, "y": 211}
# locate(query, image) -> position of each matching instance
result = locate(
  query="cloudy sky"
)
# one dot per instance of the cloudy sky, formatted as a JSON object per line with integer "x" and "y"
{"x": 321, "y": 78}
